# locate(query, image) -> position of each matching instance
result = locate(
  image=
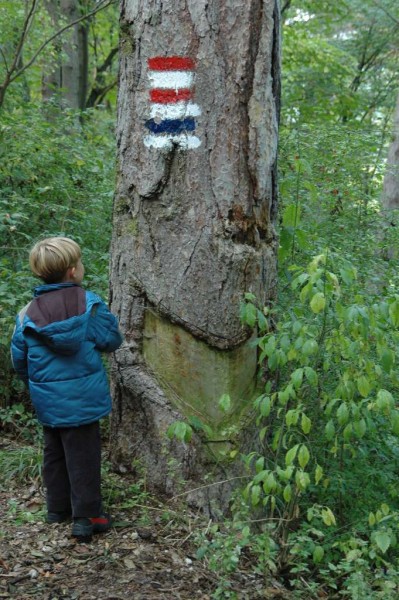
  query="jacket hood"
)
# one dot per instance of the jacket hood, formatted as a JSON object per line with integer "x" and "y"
{"x": 63, "y": 337}
{"x": 58, "y": 317}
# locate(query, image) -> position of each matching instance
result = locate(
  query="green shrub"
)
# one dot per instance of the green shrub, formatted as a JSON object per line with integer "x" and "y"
{"x": 56, "y": 178}
{"x": 325, "y": 485}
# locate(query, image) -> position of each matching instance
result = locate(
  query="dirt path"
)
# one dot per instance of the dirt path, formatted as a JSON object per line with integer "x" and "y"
{"x": 132, "y": 561}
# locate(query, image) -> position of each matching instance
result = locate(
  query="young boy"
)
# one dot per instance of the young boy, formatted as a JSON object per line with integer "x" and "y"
{"x": 55, "y": 349}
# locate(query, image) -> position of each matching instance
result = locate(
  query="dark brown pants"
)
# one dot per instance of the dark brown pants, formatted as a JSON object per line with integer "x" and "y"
{"x": 72, "y": 469}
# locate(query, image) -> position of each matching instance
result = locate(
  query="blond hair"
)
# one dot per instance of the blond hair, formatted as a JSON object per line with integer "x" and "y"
{"x": 50, "y": 258}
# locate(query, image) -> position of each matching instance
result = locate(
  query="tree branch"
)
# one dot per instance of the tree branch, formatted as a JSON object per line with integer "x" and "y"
{"x": 5, "y": 60}
{"x": 16, "y": 60}
{"x": 378, "y": 5}
{"x": 103, "y": 4}
{"x": 25, "y": 29}
{"x": 108, "y": 61}
{"x": 286, "y": 6}
{"x": 98, "y": 90}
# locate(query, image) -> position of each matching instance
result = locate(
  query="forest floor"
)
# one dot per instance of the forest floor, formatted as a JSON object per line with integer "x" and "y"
{"x": 149, "y": 554}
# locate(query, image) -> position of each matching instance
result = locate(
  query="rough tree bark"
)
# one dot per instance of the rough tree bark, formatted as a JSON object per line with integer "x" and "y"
{"x": 193, "y": 224}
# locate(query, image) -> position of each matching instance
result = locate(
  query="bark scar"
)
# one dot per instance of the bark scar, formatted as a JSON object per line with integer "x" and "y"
{"x": 156, "y": 189}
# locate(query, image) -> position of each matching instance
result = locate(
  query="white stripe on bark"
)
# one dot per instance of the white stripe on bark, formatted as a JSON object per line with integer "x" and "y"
{"x": 187, "y": 142}
{"x": 171, "y": 79}
{"x": 177, "y": 110}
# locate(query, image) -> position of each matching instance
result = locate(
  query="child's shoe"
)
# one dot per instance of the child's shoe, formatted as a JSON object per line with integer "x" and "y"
{"x": 84, "y": 527}
{"x": 58, "y": 517}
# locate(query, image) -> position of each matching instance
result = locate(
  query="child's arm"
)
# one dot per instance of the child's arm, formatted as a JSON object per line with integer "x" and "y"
{"x": 104, "y": 329}
{"x": 19, "y": 352}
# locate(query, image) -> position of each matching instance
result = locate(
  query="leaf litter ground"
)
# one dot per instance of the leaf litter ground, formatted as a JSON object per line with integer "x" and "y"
{"x": 137, "y": 560}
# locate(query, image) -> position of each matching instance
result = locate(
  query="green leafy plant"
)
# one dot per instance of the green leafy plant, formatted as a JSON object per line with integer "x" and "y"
{"x": 21, "y": 464}
{"x": 55, "y": 181}
{"x": 328, "y": 408}
{"x": 21, "y": 423}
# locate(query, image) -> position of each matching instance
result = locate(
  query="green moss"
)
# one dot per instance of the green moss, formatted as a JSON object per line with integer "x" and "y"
{"x": 128, "y": 226}
{"x": 195, "y": 376}
{"x": 122, "y": 204}
{"x": 126, "y": 42}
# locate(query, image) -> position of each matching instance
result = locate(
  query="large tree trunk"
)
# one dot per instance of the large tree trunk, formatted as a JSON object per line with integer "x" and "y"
{"x": 193, "y": 224}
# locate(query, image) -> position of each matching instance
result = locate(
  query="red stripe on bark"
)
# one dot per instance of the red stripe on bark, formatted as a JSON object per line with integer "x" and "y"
{"x": 171, "y": 63}
{"x": 166, "y": 96}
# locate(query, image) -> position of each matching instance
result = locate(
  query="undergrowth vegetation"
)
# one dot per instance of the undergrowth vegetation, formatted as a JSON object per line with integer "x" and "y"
{"x": 56, "y": 180}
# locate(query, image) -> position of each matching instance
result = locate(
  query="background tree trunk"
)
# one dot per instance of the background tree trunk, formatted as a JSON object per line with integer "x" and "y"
{"x": 74, "y": 68}
{"x": 68, "y": 76}
{"x": 193, "y": 224}
{"x": 390, "y": 196}
{"x": 51, "y": 78}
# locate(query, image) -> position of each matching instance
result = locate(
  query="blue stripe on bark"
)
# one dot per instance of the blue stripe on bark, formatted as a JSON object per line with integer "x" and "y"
{"x": 171, "y": 125}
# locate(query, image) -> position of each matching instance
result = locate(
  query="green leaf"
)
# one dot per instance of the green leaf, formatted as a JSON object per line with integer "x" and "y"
{"x": 318, "y": 302}
{"x": 348, "y": 275}
{"x": 250, "y": 314}
{"x": 330, "y": 430}
{"x": 311, "y": 376}
{"x": 318, "y": 554}
{"x": 343, "y": 413}
{"x": 255, "y": 494}
{"x": 360, "y": 428}
{"x": 387, "y": 359}
{"x": 328, "y": 517}
{"x": 297, "y": 378}
{"x": 305, "y": 291}
{"x": 310, "y": 347}
{"x": 303, "y": 456}
{"x": 318, "y": 474}
{"x": 291, "y": 418}
{"x": 306, "y": 424}
{"x": 180, "y": 430}
{"x": 363, "y": 386}
{"x": 395, "y": 422}
{"x": 347, "y": 433}
{"x": 199, "y": 425}
{"x": 249, "y": 296}
{"x": 261, "y": 476}
{"x": 285, "y": 243}
{"x": 383, "y": 540}
{"x": 291, "y": 454}
{"x": 260, "y": 463}
{"x": 287, "y": 493}
{"x": 262, "y": 321}
{"x": 302, "y": 480}
{"x": 265, "y": 406}
{"x": 291, "y": 215}
{"x": 269, "y": 485}
{"x": 394, "y": 313}
{"x": 385, "y": 400}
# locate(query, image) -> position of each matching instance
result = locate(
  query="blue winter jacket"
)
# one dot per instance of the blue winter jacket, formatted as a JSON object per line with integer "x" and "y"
{"x": 56, "y": 348}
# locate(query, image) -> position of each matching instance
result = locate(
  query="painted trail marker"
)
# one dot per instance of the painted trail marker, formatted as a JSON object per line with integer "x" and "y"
{"x": 173, "y": 112}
